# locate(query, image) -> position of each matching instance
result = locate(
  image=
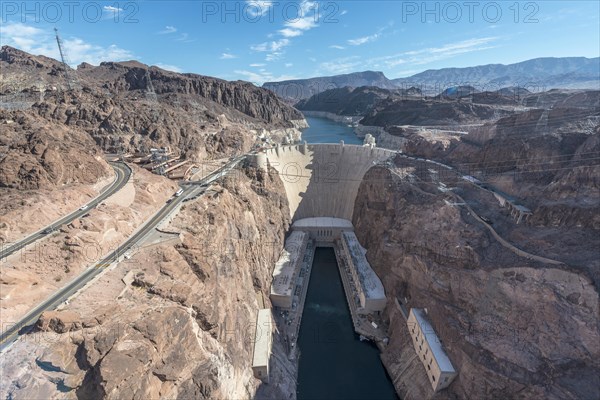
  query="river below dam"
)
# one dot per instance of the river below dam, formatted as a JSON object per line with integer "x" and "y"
{"x": 323, "y": 130}
{"x": 334, "y": 363}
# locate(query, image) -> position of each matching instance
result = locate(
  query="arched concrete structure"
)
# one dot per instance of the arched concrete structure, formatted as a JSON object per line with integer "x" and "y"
{"x": 322, "y": 180}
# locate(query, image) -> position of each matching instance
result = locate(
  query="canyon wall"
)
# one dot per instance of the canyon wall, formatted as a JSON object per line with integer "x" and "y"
{"x": 513, "y": 328}
{"x": 177, "y": 319}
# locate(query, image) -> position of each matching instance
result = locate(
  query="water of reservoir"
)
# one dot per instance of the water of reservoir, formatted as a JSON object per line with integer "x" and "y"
{"x": 323, "y": 130}
{"x": 334, "y": 363}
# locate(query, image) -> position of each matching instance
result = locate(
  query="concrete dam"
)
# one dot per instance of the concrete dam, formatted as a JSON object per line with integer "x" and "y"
{"x": 322, "y": 180}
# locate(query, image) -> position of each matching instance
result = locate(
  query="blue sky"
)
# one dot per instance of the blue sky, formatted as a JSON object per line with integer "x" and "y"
{"x": 261, "y": 41}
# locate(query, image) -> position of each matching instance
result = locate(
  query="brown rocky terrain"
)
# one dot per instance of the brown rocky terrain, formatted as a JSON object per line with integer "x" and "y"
{"x": 54, "y": 138}
{"x": 513, "y": 327}
{"x": 128, "y": 106}
{"x": 40, "y": 154}
{"x": 539, "y": 149}
{"x": 29, "y": 276}
{"x": 182, "y": 324}
{"x": 429, "y": 112}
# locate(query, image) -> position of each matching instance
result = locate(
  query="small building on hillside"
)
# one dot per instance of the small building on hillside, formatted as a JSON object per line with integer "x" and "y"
{"x": 438, "y": 366}
{"x": 263, "y": 342}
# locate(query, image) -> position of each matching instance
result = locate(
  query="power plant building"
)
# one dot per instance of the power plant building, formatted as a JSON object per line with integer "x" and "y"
{"x": 287, "y": 269}
{"x": 323, "y": 230}
{"x": 367, "y": 283}
{"x": 263, "y": 342}
{"x": 439, "y": 369}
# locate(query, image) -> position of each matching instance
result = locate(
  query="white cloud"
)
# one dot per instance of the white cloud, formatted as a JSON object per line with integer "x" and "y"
{"x": 341, "y": 65}
{"x": 363, "y": 40}
{"x": 42, "y": 42}
{"x": 306, "y": 19}
{"x": 168, "y": 29}
{"x": 277, "y": 55}
{"x": 407, "y": 59}
{"x": 336, "y": 46}
{"x": 303, "y": 24}
{"x": 258, "y": 78}
{"x": 169, "y": 67}
{"x": 184, "y": 37}
{"x": 288, "y": 65}
{"x": 288, "y": 32}
{"x": 227, "y": 56}
{"x": 275, "y": 48}
{"x": 258, "y": 8}
{"x": 427, "y": 55}
{"x": 111, "y": 12}
{"x": 294, "y": 26}
{"x": 256, "y": 65}
{"x": 19, "y": 29}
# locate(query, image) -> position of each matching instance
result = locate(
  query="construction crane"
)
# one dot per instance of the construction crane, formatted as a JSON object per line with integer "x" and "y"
{"x": 65, "y": 61}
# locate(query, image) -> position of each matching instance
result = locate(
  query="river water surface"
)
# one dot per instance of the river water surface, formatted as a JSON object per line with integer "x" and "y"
{"x": 334, "y": 363}
{"x": 323, "y": 130}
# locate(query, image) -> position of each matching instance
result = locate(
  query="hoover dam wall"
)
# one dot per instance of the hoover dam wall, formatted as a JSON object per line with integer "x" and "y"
{"x": 322, "y": 180}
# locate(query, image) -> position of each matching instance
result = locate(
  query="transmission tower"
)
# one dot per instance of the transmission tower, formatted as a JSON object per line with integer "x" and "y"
{"x": 152, "y": 97}
{"x": 150, "y": 93}
{"x": 65, "y": 60}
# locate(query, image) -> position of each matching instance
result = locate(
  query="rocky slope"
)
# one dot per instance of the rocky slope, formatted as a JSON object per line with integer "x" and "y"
{"x": 38, "y": 154}
{"x": 539, "y": 74}
{"x": 429, "y": 112}
{"x": 128, "y": 106}
{"x": 513, "y": 328}
{"x": 349, "y": 101}
{"x": 182, "y": 325}
{"x": 299, "y": 89}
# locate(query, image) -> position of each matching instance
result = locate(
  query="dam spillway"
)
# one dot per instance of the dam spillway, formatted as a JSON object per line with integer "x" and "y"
{"x": 322, "y": 180}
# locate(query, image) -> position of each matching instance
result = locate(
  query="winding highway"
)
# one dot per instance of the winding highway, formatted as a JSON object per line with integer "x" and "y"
{"x": 123, "y": 173}
{"x": 191, "y": 190}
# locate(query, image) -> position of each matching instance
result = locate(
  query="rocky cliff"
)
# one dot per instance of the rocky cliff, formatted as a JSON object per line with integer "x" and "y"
{"x": 349, "y": 101}
{"x": 129, "y": 106}
{"x": 299, "y": 89}
{"x": 429, "y": 112}
{"x": 40, "y": 154}
{"x": 538, "y": 74}
{"x": 513, "y": 327}
{"x": 177, "y": 320}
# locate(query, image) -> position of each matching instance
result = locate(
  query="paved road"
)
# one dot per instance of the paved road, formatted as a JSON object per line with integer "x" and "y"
{"x": 123, "y": 173}
{"x": 27, "y": 322}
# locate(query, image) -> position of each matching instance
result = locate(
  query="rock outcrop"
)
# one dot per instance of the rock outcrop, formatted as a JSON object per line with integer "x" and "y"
{"x": 299, "y": 89}
{"x": 184, "y": 327}
{"x": 129, "y": 106}
{"x": 513, "y": 328}
{"x": 38, "y": 154}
